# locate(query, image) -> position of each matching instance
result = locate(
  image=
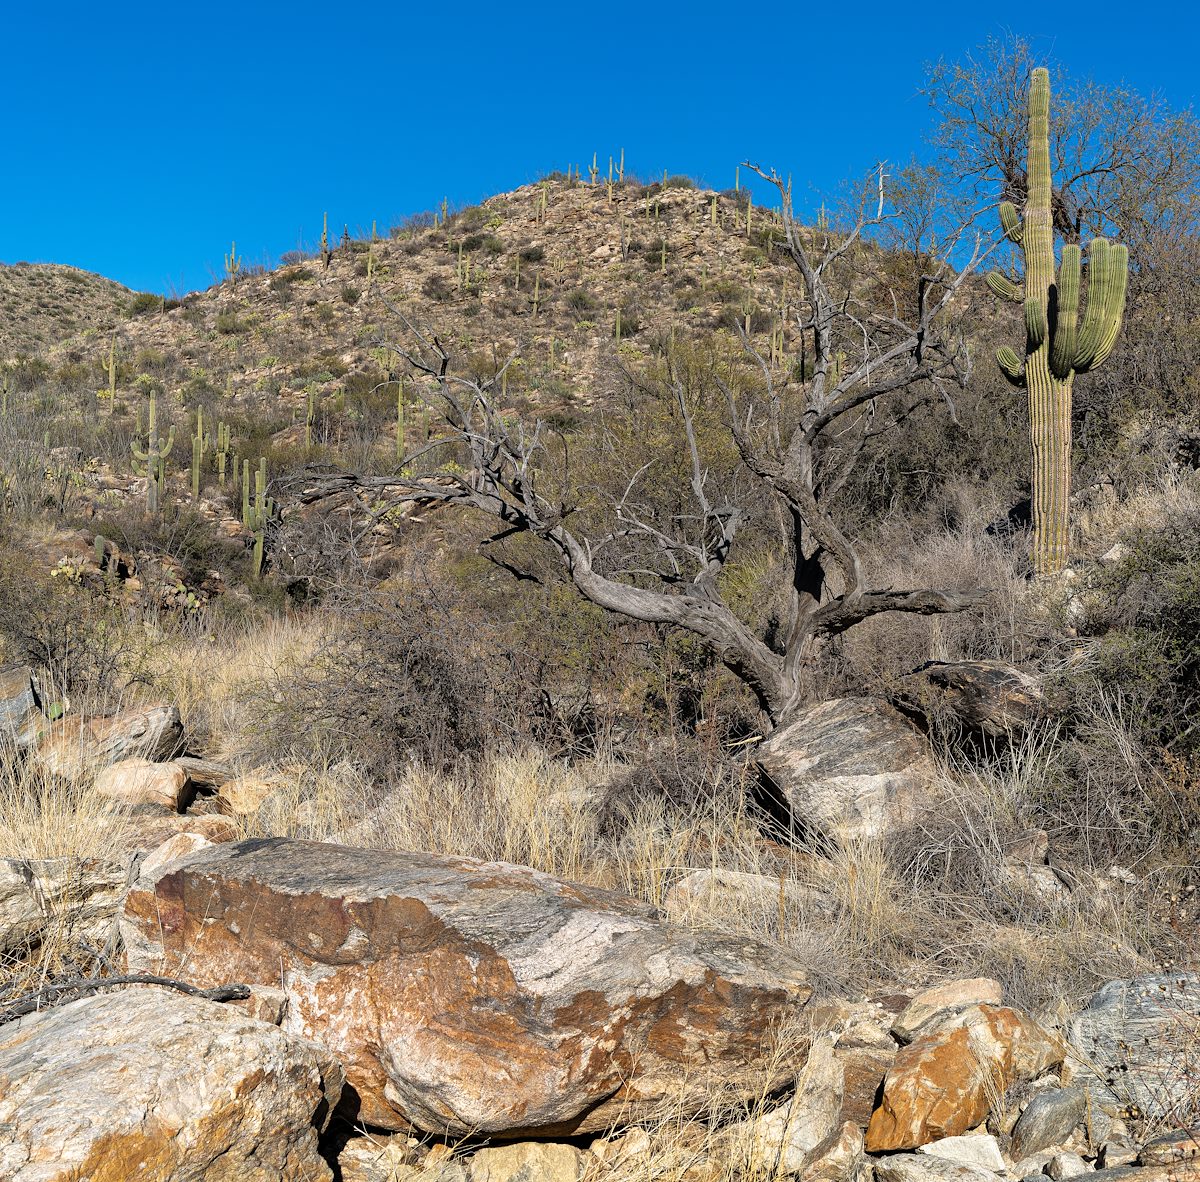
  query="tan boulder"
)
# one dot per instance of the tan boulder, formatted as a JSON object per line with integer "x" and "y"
{"x": 941, "y": 1083}
{"x": 472, "y": 997}
{"x": 75, "y": 746}
{"x": 847, "y": 769}
{"x": 944, "y": 1001}
{"x": 864, "y": 1070}
{"x": 374, "y": 1158}
{"x": 245, "y": 795}
{"x": 527, "y": 1161}
{"x": 143, "y": 1083}
{"x": 139, "y": 781}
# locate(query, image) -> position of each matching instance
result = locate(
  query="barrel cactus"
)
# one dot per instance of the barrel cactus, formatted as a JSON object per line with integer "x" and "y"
{"x": 1059, "y": 343}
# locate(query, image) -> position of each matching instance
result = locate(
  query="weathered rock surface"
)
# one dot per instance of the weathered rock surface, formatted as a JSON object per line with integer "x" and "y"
{"x": 145, "y": 1084}
{"x": 704, "y": 892}
{"x": 980, "y": 1152}
{"x": 940, "y": 1083}
{"x": 1048, "y": 1120}
{"x": 1066, "y": 1165}
{"x": 21, "y": 718}
{"x": 1132, "y": 1037}
{"x": 847, "y": 769}
{"x": 991, "y": 698}
{"x": 527, "y": 1161}
{"x": 379, "y": 1159}
{"x": 865, "y": 1069}
{"x": 74, "y": 746}
{"x": 789, "y": 1138}
{"x": 71, "y": 897}
{"x": 841, "y": 1160}
{"x": 1168, "y": 1148}
{"x": 943, "y": 1002}
{"x": 924, "y": 1167}
{"x": 141, "y": 781}
{"x": 464, "y": 996}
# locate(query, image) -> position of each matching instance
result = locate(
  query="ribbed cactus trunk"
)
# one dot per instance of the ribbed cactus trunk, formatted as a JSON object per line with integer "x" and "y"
{"x": 1049, "y": 397}
{"x": 1056, "y": 345}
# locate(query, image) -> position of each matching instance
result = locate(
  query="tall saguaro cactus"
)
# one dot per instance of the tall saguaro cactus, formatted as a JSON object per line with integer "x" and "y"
{"x": 151, "y": 461}
{"x": 1057, "y": 344}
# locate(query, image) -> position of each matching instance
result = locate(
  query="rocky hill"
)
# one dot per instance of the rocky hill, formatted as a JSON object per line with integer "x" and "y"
{"x": 42, "y": 304}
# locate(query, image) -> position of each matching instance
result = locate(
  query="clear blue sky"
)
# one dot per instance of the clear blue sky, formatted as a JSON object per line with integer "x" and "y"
{"x": 139, "y": 139}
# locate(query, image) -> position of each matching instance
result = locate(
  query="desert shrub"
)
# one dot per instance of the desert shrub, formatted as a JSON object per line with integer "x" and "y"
{"x": 438, "y": 287}
{"x": 143, "y": 302}
{"x": 581, "y": 300}
{"x": 532, "y": 254}
{"x": 350, "y": 294}
{"x": 228, "y": 324}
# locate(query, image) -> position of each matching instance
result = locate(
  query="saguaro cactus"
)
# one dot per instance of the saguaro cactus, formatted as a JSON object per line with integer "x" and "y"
{"x": 151, "y": 461}
{"x": 259, "y": 511}
{"x": 1057, "y": 345}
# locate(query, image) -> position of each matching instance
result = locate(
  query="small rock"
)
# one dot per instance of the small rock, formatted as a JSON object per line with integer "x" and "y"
{"x": 143, "y": 1083}
{"x": 374, "y": 1158}
{"x": 1066, "y": 1165}
{"x": 864, "y": 1069}
{"x": 981, "y": 1152}
{"x": 1117, "y": 1151}
{"x": 527, "y": 1161}
{"x": 139, "y": 781}
{"x": 990, "y": 698}
{"x": 1048, "y": 1120}
{"x": 636, "y": 1142}
{"x": 944, "y": 1001}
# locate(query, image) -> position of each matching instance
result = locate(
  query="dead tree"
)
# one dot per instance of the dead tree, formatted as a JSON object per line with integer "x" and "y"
{"x": 865, "y": 365}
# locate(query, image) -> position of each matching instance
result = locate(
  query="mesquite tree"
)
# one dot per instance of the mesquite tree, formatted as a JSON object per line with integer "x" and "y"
{"x": 1057, "y": 344}
{"x": 861, "y": 357}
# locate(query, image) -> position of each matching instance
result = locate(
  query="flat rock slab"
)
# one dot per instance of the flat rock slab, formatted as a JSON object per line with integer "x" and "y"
{"x": 149, "y": 1084}
{"x": 465, "y": 996}
{"x": 847, "y": 769}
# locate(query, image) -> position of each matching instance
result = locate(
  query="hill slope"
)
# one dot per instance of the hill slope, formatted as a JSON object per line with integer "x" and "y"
{"x": 44, "y": 303}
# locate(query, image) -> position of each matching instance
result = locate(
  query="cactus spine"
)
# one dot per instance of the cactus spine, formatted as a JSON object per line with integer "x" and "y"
{"x": 1057, "y": 346}
{"x": 151, "y": 461}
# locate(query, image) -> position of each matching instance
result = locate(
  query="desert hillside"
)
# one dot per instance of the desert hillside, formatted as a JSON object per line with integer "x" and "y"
{"x": 611, "y": 684}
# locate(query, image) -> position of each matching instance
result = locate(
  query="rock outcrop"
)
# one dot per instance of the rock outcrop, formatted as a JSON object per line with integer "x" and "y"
{"x": 464, "y": 996}
{"x": 847, "y": 769}
{"x": 21, "y": 718}
{"x": 989, "y": 698}
{"x": 148, "y": 1084}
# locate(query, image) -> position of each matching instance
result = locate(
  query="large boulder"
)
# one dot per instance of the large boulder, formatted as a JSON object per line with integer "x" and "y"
{"x": 21, "y": 717}
{"x": 149, "y": 1084}
{"x": 474, "y": 997}
{"x": 1134, "y": 1039}
{"x": 77, "y": 746}
{"x": 990, "y": 698}
{"x": 847, "y": 769}
{"x": 941, "y": 1084}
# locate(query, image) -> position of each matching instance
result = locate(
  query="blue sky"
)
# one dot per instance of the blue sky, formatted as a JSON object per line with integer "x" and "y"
{"x": 139, "y": 139}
